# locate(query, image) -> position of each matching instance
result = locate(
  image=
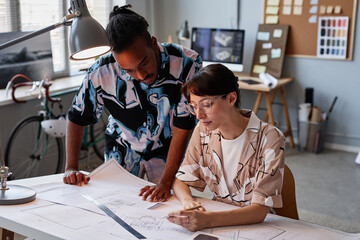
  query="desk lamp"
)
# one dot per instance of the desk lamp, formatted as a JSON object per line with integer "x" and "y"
{"x": 183, "y": 33}
{"x": 88, "y": 39}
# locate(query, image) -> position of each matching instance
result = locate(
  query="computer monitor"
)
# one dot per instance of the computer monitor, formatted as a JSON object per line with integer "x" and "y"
{"x": 217, "y": 45}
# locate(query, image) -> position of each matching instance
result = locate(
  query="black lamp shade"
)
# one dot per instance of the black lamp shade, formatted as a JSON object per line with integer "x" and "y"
{"x": 184, "y": 32}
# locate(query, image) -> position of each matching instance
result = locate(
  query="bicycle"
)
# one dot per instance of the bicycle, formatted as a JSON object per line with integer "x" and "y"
{"x": 43, "y": 151}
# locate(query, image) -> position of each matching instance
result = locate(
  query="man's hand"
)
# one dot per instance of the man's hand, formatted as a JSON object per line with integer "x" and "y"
{"x": 75, "y": 177}
{"x": 160, "y": 192}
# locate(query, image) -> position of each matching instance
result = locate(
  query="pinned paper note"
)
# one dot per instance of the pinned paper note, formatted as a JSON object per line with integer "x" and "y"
{"x": 314, "y": 2}
{"x": 329, "y": 9}
{"x": 313, "y": 9}
{"x": 277, "y": 33}
{"x": 273, "y": 2}
{"x": 263, "y": 58}
{"x": 297, "y": 10}
{"x": 259, "y": 69}
{"x": 272, "y": 19}
{"x": 337, "y": 10}
{"x": 312, "y": 19}
{"x": 322, "y": 9}
{"x": 287, "y": 2}
{"x": 263, "y": 36}
{"x": 298, "y": 2}
{"x": 276, "y": 53}
{"x": 267, "y": 45}
{"x": 286, "y": 10}
{"x": 272, "y": 10}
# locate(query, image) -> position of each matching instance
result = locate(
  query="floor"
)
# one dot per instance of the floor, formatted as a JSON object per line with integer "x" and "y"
{"x": 327, "y": 188}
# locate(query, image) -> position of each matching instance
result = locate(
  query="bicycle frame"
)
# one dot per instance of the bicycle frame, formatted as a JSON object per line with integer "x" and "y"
{"x": 43, "y": 146}
{"x": 44, "y": 153}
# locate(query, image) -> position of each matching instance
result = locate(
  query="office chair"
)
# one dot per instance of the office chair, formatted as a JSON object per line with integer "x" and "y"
{"x": 289, "y": 208}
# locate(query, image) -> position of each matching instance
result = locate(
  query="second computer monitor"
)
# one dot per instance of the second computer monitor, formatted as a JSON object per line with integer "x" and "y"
{"x": 217, "y": 45}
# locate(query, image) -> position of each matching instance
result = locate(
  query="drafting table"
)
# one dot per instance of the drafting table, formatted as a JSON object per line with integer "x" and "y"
{"x": 60, "y": 212}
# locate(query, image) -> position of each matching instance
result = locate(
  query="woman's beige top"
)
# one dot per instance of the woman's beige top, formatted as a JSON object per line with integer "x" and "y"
{"x": 260, "y": 167}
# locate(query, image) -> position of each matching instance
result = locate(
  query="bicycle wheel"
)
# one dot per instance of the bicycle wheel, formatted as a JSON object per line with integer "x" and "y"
{"x": 31, "y": 152}
{"x": 97, "y": 134}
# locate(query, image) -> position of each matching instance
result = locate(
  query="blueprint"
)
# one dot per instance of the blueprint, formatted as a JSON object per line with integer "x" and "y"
{"x": 61, "y": 212}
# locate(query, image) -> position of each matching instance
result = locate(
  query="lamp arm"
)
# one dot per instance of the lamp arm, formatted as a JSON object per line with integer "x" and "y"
{"x": 39, "y": 32}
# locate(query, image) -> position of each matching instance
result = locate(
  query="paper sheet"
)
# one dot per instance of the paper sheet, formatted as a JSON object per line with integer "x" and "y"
{"x": 313, "y": 9}
{"x": 267, "y": 45}
{"x": 276, "y": 53}
{"x": 272, "y": 10}
{"x": 297, "y": 10}
{"x": 277, "y": 33}
{"x": 263, "y": 36}
{"x": 273, "y": 2}
{"x": 110, "y": 183}
{"x": 322, "y": 9}
{"x": 263, "y": 58}
{"x": 337, "y": 9}
{"x": 259, "y": 69}
{"x": 313, "y": 19}
{"x": 329, "y": 9}
{"x": 272, "y": 19}
{"x": 286, "y": 10}
{"x": 298, "y": 2}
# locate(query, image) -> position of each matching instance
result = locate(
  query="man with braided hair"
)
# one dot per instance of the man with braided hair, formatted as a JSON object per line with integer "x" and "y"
{"x": 139, "y": 83}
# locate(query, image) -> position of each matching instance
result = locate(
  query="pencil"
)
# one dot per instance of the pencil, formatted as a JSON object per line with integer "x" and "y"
{"x": 193, "y": 208}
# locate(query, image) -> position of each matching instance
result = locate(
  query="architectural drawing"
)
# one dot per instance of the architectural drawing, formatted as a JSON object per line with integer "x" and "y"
{"x": 69, "y": 215}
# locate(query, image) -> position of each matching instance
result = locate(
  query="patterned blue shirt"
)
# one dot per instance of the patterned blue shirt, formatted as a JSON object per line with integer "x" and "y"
{"x": 142, "y": 116}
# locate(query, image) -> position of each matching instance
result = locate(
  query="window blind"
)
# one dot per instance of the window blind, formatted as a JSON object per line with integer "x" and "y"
{"x": 37, "y": 14}
{"x": 8, "y": 15}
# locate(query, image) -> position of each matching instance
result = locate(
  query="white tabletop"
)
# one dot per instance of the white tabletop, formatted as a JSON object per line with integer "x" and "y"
{"x": 67, "y": 218}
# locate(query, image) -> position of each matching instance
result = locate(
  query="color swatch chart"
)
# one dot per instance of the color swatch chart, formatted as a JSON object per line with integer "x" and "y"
{"x": 332, "y": 37}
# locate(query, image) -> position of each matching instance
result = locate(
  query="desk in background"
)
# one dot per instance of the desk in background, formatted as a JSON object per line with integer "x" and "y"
{"x": 269, "y": 93}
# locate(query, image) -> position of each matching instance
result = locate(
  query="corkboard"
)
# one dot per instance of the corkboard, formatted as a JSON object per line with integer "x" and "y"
{"x": 302, "y": 41}
{"x": 273, "y": 65}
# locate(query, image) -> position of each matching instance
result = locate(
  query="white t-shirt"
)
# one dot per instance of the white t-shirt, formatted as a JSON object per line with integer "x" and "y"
{"x": 231, "y": 150}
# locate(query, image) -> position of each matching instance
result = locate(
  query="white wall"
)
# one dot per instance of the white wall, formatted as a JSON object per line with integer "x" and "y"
{"x": 329, "y": 78}
{"x": 170, "y": 14}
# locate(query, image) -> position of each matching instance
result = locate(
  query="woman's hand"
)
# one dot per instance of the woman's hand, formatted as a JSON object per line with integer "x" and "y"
{"x": 193, "y": 220}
